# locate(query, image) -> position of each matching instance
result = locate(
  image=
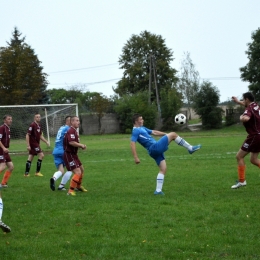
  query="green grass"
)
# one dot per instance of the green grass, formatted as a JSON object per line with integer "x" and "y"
{"x": 200, "y": 216}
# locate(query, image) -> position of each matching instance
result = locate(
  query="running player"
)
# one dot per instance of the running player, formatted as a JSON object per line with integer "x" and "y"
{"x": 71, "y": 144}
{"x": 58, "y": 158}
{"x": 5, "y": 159}
{"x": 155, "y": 148}
{"x": 251, "y": 121}
{"x": 33, "y": 137}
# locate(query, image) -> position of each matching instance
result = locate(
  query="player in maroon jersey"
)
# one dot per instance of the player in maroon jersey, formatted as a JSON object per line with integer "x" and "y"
{"x": 251, "y": 121}
{"x": 5, "y": 159}
{"x": 33, "y": 138}
{"x": 71, "y": 144}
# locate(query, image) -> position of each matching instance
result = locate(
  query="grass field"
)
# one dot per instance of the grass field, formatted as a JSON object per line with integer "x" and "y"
{"x": 200, "y": 216}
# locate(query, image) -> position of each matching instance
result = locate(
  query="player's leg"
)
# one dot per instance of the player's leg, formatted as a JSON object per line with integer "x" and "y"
{"x": 180, "y": 141}
{"x": 58, "y": 160}
{"x": 8, "y": 172}
{"x": 160, "y": 178}
{"x": 79, "y": 186}
{"x": 39, "y": 164}
{"x": 28, "y": 165}
{"x": 3, "y": 226}
{"x": 74, "y": 181}
{"x": 241, "y": 169}
{"x": 254, "y": 159}
{"x": 65, "y": 178}
{"x": 2, "y": 167}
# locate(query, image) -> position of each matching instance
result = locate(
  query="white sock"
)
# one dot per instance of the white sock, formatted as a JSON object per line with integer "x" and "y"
{"x": 180, "y": 141}
{"x": 1, "y": 208}
{"x": 159, "y": 182}
{"x": 65, "y": 178}
{"x": 57, "y": 175}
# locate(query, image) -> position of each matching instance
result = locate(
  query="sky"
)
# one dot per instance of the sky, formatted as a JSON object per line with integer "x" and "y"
{"x": 79, "y": 42}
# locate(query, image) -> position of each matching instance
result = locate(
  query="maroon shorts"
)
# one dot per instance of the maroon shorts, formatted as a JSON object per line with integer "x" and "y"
{"x": 71, "y": 161}
{"x": 251, "y": 144}
{"x": 4, "y": 157}
{"x": 35, "y": 150}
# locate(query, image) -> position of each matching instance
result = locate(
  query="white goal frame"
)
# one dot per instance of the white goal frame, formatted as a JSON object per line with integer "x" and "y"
{"x": 49, "y": 114}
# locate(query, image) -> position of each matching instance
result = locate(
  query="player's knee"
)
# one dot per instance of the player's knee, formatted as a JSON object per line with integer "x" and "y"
{"x": 173, "y": 135}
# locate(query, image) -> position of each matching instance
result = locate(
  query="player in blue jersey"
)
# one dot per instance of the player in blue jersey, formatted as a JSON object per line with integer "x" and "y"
{"x": 58, "y": 158}
{"x": 155, "y": 148}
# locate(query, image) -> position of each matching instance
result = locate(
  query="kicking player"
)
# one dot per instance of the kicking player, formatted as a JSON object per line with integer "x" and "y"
{"x": 5, "y": 159}
{"x": 71, "y": 144}
{"x": 155, "y": 148}
{"x": 33, "y": 137}
{"x": 58, "y": 158}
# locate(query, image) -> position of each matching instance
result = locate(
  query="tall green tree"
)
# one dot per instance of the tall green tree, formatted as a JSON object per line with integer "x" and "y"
{"x": 135, "y": 63}
{"x": 22, "y": 80}
{"x": 251, "y": 72}
{"x": 188, "y": 83}
{"x": 206, "y": 106}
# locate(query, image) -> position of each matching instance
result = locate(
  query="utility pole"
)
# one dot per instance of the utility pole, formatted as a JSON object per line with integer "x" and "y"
{"x": 150, "y": 79}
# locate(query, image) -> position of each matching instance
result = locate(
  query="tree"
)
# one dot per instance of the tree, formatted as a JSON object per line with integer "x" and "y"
{"x": 251, "y": 72}
{"x": 22, "y": 80}
{"x": 128, "y": 105}
{"x": 206, "y": 106}
{"x": 135, "y": 61}
{"x": 188, "y": 82}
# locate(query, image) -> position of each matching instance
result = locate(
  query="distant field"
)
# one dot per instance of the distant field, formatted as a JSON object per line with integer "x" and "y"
{"x": 199, "y": 217}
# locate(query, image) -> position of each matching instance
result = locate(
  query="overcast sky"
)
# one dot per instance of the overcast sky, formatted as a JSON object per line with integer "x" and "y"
{"x": 79, "y": 41}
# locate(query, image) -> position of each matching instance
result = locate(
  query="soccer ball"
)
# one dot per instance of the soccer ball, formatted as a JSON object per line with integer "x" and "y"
{"x": 180, "y": 119}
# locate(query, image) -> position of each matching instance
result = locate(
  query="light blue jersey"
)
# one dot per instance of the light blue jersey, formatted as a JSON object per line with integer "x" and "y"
{"x": 59, "y": 150}
{"x": 142, "y": 135}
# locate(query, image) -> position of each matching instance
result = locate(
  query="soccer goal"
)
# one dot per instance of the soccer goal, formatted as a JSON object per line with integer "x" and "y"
{"x": 52, "y": 117}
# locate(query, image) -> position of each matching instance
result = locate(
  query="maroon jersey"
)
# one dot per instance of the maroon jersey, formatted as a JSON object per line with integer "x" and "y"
{"x": 70, "y": 136}
{"x": 5, "y": 135}
{"x": 34, "y": 133}
{"x": 253, "y": 124}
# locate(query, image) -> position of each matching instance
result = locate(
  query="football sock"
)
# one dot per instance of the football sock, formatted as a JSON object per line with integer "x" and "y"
{"x": 241, "y": 172}
{"x": 74, "y": 181}
{"x": 180, "y": 141}
{"x": 80, "y": 180}
{"x": 39, "y": 164}
{"x": 65, "y": 178}
{"x": 1, "y": 208}
{"x": 6, "y": 177}
{"x": 57, "y": 175}
{"x": 27, "y": 167}
{"x": 159, "y": 182}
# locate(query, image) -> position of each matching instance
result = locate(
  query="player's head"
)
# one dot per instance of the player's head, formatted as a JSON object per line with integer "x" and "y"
{"x": 67, "y": 120}
{"x": 74, "y": 121}
{"x": 248, "y": 98}
{"x": 7, "y": 119}
{"x": 37, "y": 117}
{"x": 137, "y": 119}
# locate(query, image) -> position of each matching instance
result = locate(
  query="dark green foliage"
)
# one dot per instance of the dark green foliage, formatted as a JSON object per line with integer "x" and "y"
{"x": 170, "y": 105}
{"x": 22, "y": 80}
{"x": 206, "y": 106}
{"x": 128, "y": 105}
{"x": 135, "y": 61}
{"x": 251, "y": 72}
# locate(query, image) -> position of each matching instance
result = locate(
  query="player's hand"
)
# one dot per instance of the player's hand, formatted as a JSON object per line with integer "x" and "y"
{"x": 84, "y": 147}
{"x": 235, "y": 99}
{"x": 6, "y": 150}
{"x": 137, "y": 161}
{"x": 28, "y": 147}
{"x": 48, "y": 144}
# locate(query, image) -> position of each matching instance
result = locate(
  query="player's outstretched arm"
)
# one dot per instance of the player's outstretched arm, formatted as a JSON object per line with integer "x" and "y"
{"x": 235, "y": 99}
{"x": 133, "y": 149}
{"x": 158, "y": 133}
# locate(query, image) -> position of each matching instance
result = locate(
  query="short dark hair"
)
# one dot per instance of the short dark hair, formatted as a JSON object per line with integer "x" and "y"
{"x": 249, "y": 96}
{"x": 135, "y": 117}
{"x": 66, "y": 118}
{"x": 5, "y": 116}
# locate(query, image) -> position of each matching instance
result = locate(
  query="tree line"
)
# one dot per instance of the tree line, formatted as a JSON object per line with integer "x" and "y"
{"x": 149, "y": 85}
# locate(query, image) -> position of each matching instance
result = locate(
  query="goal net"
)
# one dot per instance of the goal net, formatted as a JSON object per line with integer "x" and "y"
{"x": 52, "y": 117}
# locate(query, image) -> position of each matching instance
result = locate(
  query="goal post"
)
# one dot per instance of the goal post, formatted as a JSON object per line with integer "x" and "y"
{"x": 52, "y": 117}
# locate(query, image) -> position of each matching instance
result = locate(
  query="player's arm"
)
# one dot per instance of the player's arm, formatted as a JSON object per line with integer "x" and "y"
{"x": 244, "y": 118}
{"x": 235, "y": 99}
{"x": 133, "y": 149}
{"x": 27, "y": 138}
{"x": 79, "y": 145}
{"x": 44, "y": 140}
{"x": 158, "y": 133}
{"x": 3, "y": 147}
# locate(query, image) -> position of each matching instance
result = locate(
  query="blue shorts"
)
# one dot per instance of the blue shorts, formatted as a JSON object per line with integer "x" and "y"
{"x": 58, "y": 159}
{"x": 156, "y": 151}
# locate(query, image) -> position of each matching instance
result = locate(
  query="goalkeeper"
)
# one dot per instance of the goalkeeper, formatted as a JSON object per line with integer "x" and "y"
{"x": 58, "y": 158}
